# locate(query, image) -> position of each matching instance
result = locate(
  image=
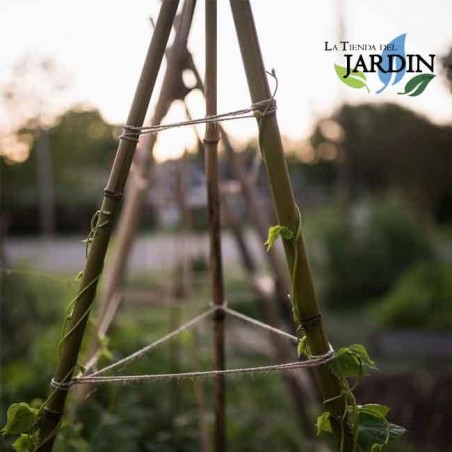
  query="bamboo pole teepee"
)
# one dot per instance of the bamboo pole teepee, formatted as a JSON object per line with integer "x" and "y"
{"x": 286, "y": 210}
{"x": 299, "y": 385}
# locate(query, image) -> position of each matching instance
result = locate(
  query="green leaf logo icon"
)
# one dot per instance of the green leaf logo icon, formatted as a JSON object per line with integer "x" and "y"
{"x": 354, "y": 80}
{"x": 417, "y": 84}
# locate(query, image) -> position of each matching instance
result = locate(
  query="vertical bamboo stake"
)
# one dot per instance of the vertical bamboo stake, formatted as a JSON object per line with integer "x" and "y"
{"x": 200, "y": 400}
{"x": 70, "y": 347}
{"x": 211, "y": 139}
{"x": 286, "y": 209}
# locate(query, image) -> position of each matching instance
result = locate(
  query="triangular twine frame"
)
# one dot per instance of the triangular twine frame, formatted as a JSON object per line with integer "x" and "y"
{"x": 94, "y": 377}
{"x": 306, "y": 308}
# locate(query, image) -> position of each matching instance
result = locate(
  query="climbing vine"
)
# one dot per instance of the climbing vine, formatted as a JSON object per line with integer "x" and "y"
{"x": 371, "y": 429}
{"x": 23, "y": 418}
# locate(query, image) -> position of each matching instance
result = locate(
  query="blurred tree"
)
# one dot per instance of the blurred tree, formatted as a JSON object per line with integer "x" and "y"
{"x": 32, "y": 97}
{"x": 80, "y": 147}
{"x": 391, "y": 148}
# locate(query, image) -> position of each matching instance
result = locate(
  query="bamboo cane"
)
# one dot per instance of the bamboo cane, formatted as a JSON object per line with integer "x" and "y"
{"x": 70, "y": 346}
{"x": 211, "y": 139}
{"x": 130, "y": 214}
{"x": 172, "y": 88}
{"x": 286, "y": 209}
{"x": 200, "y": 399}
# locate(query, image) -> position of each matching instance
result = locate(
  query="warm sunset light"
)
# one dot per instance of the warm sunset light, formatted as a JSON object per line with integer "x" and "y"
{"x": 225, "y": 225}
{"x": 102, "y": 65}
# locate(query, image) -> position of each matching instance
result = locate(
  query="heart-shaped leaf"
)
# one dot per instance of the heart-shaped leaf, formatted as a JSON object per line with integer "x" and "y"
{"x": 371, "y": 430}
{"x": 361, "y": 351}
{"x": 345, "y": 364}
{"x": 355, "y": 79}
{"x": 20, "y": 418}
{"x": 417, "y": 84}
{"x": 374, "y": 431}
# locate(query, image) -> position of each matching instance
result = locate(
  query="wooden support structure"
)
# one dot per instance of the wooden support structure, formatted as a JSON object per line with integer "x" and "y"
{"x": 303, "y": 292}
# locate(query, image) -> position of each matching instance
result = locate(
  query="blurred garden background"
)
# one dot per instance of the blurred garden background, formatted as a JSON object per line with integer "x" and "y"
{"x": 372, "y": 178}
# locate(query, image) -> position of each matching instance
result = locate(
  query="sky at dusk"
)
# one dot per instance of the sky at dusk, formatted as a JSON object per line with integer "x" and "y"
{"x": 101, "y": 46}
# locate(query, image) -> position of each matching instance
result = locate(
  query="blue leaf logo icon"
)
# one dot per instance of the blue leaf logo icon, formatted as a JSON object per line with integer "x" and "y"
{"x": 396, "y": 47}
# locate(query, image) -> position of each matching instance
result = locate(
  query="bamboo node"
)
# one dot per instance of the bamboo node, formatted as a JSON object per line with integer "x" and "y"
{"x": 112, "y": 194}
{"x": 311, "y": 322}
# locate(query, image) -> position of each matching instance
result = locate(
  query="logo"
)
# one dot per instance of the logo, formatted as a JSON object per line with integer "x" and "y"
{"x": 391, "y": 66}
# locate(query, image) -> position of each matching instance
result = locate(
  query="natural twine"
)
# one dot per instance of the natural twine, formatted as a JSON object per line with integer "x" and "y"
{"x": 98, "y": 378}
{"x": 129, "y": 379}
{"x": 258, "y": 109}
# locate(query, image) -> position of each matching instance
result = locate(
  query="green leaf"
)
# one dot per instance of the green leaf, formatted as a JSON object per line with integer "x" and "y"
{"x": 379, "y": 410}
{"x": 354, "y": 80}
{"x": 417, "y": 84}
{"x": 362, "y": 353}
{"x": 23, "y": 444}
{"x": 323, "y": 423}
{"x": 20, "y": 418}
{"x": 352, "y": 361}
{"x": 372, "y": 430}
{"x": 377, "y": 448}
{"x": 345, "y": 364}
{"x": 275, "y": 231}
